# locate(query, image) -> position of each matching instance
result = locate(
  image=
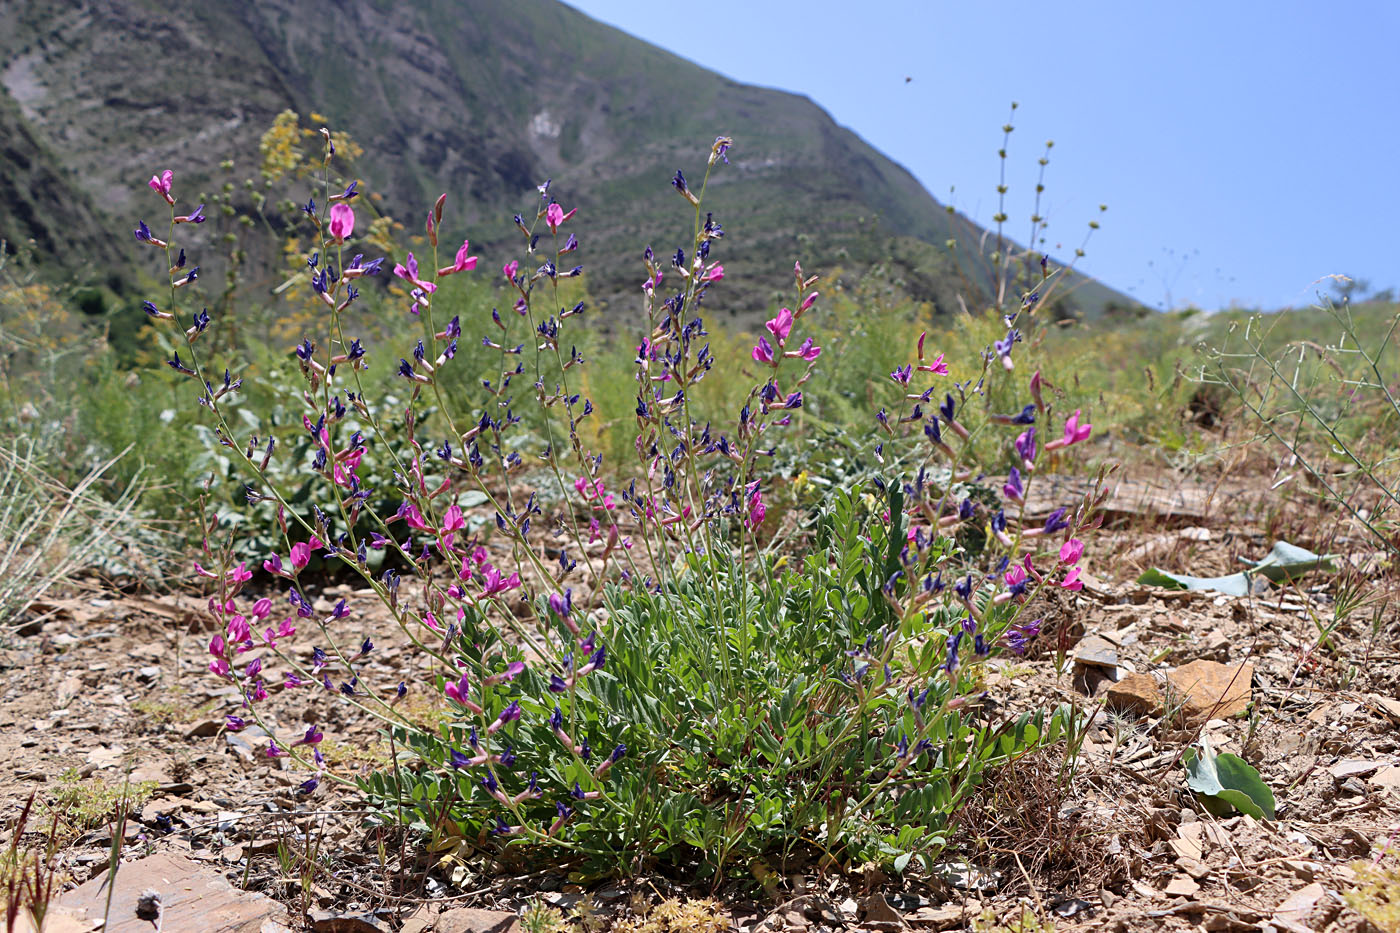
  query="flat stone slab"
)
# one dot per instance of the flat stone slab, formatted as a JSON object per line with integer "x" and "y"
{"x": 193, "y": 897}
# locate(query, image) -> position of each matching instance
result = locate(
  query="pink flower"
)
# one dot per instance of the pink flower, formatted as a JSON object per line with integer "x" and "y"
{"x": 238, "y": 630}
{"x": 1030, "y": 568}
{"x": 808, "y": 351}
{"x": 452, "y": 522}
{"x": 509, "y": 269}
{"x": 1071, "y": 580}
{"x": 1071, "y": 551}
{"x": 554, "y": 216}
{"x": 301, "y": 552}
{"x": 1074, "y": 433}
{"x": 160, "y": 184}
{"x": 756, "y": 508}
{"x": 780, "y": 326}
{"x": 410, "y": 514}
{"x": 342, "y": 221}
{"x": 493, "y": 583}
{"x": 458, "y": 691}
{"x": 937, "y": 367}
{"x": 1036, "y": 383}
{"x": 712, "y": 274}
{"x": 463, "y": 262}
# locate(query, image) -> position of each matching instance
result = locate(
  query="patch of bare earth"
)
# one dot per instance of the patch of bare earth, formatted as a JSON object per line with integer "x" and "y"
{"x": 1105, "y": 837}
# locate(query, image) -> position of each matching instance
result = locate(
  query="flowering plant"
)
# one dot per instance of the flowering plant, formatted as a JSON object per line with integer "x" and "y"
{"x": 623, "y": 671}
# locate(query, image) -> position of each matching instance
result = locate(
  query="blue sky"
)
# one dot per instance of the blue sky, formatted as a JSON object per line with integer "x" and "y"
{"x": 1244, "y": 149}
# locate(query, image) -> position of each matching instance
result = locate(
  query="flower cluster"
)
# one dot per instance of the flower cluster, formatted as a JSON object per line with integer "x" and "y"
{"x": 514, "y": 607}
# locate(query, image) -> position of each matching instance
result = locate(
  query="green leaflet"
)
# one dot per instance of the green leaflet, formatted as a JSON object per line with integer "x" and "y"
{"x": 1285, "y": 561}
{"x": 1225, "y": 782}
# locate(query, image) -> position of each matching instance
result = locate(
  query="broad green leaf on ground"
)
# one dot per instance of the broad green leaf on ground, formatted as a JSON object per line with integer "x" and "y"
{"x": 1226, "y": 781}
{"x": 1236, "y": 584}
{"x": 1285, "y": 562}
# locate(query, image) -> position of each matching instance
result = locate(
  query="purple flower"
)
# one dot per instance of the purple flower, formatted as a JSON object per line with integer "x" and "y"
{"x": 763, "y": 351}
{"x": 313, "y": 736}
{"x": 951, "y": 664}
{"x": 901, "y": 374}
{"x": 1013, "y": 489}
{"x": 1025, "y": 447}
{"x": 509, "y": 714}
{"x": 562, "y": 605}
{"x": 1018, "y": 637}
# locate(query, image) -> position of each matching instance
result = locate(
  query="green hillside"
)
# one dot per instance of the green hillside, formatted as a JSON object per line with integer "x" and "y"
{"x": 481, "y": 99}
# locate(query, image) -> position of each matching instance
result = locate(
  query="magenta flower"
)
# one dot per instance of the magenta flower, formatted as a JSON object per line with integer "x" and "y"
{"x": 239, "y": 630}
{"x": 780, "y": 326}
{"x": 1074, "y": 433}
{"x": 457, "y": 692}
{"x": 1071, "y": 551}
{"x": 713, "y": 274}
{"x": 342, "y": 221}
{"x": 1036, "y": 383}
{"x": 937, "y": 367}
{"x": 452, "y": 519}
{"x": 493, "y": 583}
{"x": 301, "y": 552}
{"x": 1071, "y": 580}
{"x": 463, "y": 262}
{"x": 160, "y": 184}
{"x": 510, "y": 269}
{"x": 1030, "y": 568}
{"x": 756, "y": 508}
{"x": 554, "y": 216}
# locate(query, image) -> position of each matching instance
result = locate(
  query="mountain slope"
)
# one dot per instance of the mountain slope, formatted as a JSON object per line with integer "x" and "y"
{"x": 480, "y": 99}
